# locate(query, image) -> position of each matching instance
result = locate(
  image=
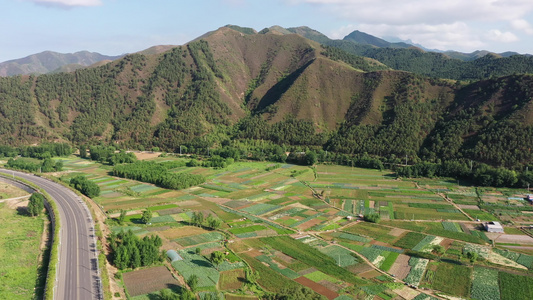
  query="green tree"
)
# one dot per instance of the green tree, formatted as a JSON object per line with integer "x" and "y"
{"x": 193, "y": 282}
{"x": 167, "y": 294}
{"x": 197, "y": 218}
{"x": 372, "y": 217}
{"x": 146, "y": 217}
{"x": 311, "y": 158}
{"x": 438, "y": 250}
{"x": 217, "y": 257}
{"x": 472, "y": 256}
{"x": 213, "y": 222}
{"x": 36, "y": 204}
{"x": 85, "y": 186}
{"x": 122, "y": 216}
{"x": 135, "y": 258}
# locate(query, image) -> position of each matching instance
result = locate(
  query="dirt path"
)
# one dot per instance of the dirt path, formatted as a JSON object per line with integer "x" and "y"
{"x": 455, "y": 205}
{"x": 16, "y": 198}
{"x": 443, "y": 196}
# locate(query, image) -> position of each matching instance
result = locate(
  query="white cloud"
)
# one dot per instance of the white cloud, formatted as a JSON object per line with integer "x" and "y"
{"x": 522, "y": 25}
{"x": 67, "y": 3}
{"x": 423, "y": 11}
{"x": 446, "y": 24}
{"x": 502, "y": 37}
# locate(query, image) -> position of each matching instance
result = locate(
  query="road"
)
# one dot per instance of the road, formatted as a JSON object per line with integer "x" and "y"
{"x": 78, "y": 276}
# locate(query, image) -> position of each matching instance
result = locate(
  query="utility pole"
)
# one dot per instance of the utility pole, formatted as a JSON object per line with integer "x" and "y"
{"x": 406, "y": 160}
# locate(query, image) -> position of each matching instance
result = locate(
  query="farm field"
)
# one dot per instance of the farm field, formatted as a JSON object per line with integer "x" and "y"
{"x": 300, "y": 227}
{"x": 146, "y": 281}
{"x": 20, "y": 239}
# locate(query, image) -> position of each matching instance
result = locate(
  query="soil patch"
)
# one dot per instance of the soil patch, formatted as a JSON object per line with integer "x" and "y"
{"x": 216, "y": 200}
{"x": 397, "y": 232}
{"x": 307, "y": 271}
{"x": 254, "y": 253}
{"x": 146, "y": 155}
{"x": 309, "y": 224}
{"x": 284, "y": 257}
{"x": 231, "y": 280}
{"x": 175, "y": 233}
{"x": 407, "y": 293}
{"x": 239, "y": 297}
{"x": 16, "y": 203}
{"x": 330, "y": 285}
{"x": 370, "y": 274}
{"x": 464, "y": 206}
{"x": 514, "y": 239}
{"x": 149, "y": 280}
{"x": 446, "y": 243}
{"x": 359, "y": 268}
{"x": 322, "y": 290}
{"x": 401, "y": 267}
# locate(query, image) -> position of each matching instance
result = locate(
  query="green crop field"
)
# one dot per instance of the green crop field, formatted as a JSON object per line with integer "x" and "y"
{"x": 453, "y": 279}
{"x": 257, "y": 199}
{"x": 485, "y": 284}
{"x": 515, "y": 287}
{"x": 409, "y": 240}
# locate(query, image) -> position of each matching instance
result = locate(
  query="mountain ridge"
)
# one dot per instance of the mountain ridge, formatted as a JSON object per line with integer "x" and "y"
{"x": 282, "y": 88}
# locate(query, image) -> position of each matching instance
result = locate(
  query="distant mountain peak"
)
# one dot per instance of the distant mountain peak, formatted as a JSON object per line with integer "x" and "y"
{"x": 50, "y": 61}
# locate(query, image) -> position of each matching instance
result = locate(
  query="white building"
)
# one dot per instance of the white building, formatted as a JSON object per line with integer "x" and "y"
{"x": 494, "y": 227}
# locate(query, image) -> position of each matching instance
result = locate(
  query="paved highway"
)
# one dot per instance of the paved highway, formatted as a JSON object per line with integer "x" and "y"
{"x": 78, "y": 276}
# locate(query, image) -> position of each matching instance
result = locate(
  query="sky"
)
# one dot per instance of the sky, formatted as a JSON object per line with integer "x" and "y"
{"x": 114, "y": 27}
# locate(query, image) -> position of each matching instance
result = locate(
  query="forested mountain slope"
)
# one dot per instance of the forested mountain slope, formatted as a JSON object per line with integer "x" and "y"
{"x": 452, "y": 65}
{"x": 241, "y": 85}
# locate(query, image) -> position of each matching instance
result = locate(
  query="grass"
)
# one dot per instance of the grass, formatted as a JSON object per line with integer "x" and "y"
{"x": 20, "y": 237}
{"x": 389, "y": 261}
{"x": 453, "y": 279}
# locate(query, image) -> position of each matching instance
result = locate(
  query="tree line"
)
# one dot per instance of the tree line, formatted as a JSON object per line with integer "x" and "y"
{"x": 85, "y": 186}
{"x": 129, "y": 251}
{"x": 47, "y": 165}
{"x": 476, "y": 173}
{"x": 158, "y": 174}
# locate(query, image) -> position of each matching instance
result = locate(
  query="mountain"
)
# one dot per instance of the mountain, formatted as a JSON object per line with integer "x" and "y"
{"x": 48, "y": 61}
{"x": 402, "y": 56}
{"x": 367, "y": 39}
{"x": 279, "y": 88}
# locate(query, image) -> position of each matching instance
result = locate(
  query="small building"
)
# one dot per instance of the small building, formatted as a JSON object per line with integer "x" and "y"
{"x": 494, "y": 227}
{"x": 173, "y": 256}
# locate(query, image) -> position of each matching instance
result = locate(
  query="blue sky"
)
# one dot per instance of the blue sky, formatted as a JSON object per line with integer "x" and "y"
{"x": 123, "y": 26}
